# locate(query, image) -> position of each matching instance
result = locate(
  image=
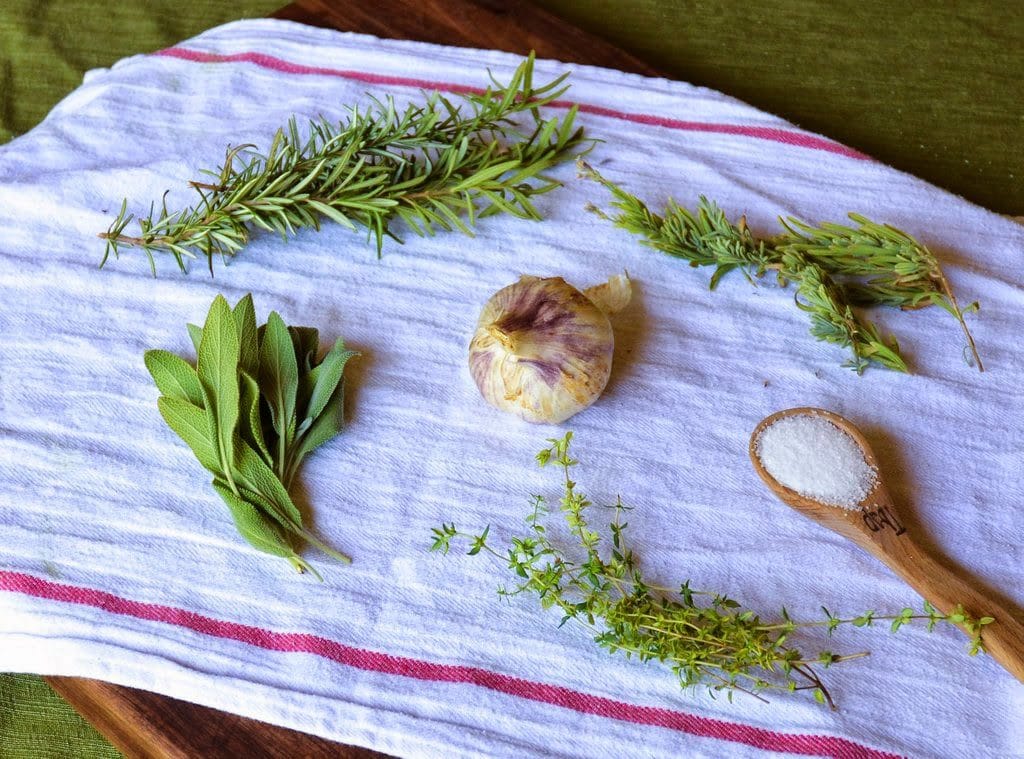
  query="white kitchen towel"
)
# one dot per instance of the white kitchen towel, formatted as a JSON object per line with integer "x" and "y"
{"x": 119, "y": 562}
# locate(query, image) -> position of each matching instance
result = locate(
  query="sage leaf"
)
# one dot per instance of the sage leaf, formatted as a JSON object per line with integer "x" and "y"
{"x": 327, "y": 378}
{"x": 191, "y": 424}
{"x": 328, "y": 424}
{"x": 279, "y": 377}
{"x": 244, "y": 313}
{"x": 251, "y": 427}
{"x": 253, "y": 472}
{"x": 307, "y": 344}
{"x": 254, "y": 527}
{"x": 195, "y": 332}
{"x": 238, "y": 410}
{"x": 174, "y": 377}
{"x": 218, "y": 372}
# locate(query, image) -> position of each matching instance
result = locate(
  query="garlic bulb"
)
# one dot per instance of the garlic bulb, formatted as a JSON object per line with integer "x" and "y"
{"x": 543, "y": 349}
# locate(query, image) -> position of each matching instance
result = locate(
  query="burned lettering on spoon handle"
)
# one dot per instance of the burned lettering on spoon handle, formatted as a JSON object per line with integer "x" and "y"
{"x": 881, "y": 517}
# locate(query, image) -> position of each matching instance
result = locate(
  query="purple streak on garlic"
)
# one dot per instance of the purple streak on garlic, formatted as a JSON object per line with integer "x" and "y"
{"x": 543, "y": 349}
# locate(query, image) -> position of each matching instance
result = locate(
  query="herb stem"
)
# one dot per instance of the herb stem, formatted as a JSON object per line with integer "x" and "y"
{"x": 834, "y": 267}
{"x": 316, "y": 542}
{"x": 959, "y": 315}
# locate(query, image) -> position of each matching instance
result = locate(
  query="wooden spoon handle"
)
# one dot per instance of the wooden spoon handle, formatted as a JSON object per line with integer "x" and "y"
{"x": 1003, "y": 639}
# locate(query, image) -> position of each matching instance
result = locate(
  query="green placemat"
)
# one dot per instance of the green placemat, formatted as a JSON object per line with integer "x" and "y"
{"x": 45, "y": 47}
{"x": 36, "y": 723}
{"x": 934, "y": 89}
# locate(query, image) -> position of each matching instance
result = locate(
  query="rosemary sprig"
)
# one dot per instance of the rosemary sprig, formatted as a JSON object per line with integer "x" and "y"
{"x": 434, "y": 165}
{"x": 834, "y": 267}
{"x": 716, "y": 643}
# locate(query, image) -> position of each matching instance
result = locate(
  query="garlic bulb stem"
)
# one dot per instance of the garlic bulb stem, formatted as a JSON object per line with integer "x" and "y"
{"x": 507, "y": 341}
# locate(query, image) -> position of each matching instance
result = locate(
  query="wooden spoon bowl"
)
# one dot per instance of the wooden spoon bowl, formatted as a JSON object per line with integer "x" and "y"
{"x": 877, "y": 527}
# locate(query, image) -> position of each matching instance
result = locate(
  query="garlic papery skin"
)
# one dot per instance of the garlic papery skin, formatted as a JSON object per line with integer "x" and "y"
{"x": 543, "y": 349}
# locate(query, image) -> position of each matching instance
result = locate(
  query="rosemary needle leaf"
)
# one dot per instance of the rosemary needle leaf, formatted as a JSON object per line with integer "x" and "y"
{"x": 834, "y": 266}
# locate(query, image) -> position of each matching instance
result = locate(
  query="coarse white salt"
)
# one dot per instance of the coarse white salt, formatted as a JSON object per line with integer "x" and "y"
{"x": 814, "y": 457}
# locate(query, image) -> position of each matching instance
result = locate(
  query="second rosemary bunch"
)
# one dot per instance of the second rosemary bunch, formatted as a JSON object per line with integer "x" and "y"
{"x": 433, "y": 165}
{"x": 834, "y": 267}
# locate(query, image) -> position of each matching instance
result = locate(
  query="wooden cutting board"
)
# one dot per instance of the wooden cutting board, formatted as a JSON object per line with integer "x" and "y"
{"x": 144, "y": 724}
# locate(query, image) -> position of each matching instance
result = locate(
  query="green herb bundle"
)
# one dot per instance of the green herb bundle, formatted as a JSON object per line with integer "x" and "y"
{"x": 717, "y": 643}
{"x": 434, "y": 165}
{"x": 834, "y": 267}
{"x": 258, "y": 401}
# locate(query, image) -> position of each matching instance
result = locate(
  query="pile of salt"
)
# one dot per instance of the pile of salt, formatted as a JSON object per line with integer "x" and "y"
{"x": 818, "y": 460}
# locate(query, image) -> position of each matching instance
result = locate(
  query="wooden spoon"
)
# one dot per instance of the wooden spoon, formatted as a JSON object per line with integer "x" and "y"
{"x": 877, "y": 528}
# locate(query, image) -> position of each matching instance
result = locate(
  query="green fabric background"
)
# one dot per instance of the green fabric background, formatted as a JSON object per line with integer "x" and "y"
{"x": 933, "y": 88}
{"x": 36, "y": 723}
{"x": 936, "y": 89}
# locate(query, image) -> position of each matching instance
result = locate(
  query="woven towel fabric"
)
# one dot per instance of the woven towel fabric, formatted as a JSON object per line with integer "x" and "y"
{"x": 120, "y": 563}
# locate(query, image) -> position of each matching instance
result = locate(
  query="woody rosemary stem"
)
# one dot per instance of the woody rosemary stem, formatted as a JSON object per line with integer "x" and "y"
{"x": 959, "y": 315}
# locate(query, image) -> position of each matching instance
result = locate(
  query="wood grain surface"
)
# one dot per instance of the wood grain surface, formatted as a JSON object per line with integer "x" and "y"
{"x": 144, "y": 724}
{"x": 513, "y": 26}
{"x": 148, "y": 725}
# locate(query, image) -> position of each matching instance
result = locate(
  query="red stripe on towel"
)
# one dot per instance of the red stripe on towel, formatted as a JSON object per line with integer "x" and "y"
{"x": 772, "y": 134}
{"x": 384, "y": 663}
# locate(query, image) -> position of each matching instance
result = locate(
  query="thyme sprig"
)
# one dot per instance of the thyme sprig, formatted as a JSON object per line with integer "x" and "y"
{"x": 834, "y": 267}
{"x": 435, "y": 165}
{"x": 705, "y": 638}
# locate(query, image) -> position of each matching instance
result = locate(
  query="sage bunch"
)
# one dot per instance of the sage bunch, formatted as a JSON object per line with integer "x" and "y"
{"x": 257, "y": 402}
